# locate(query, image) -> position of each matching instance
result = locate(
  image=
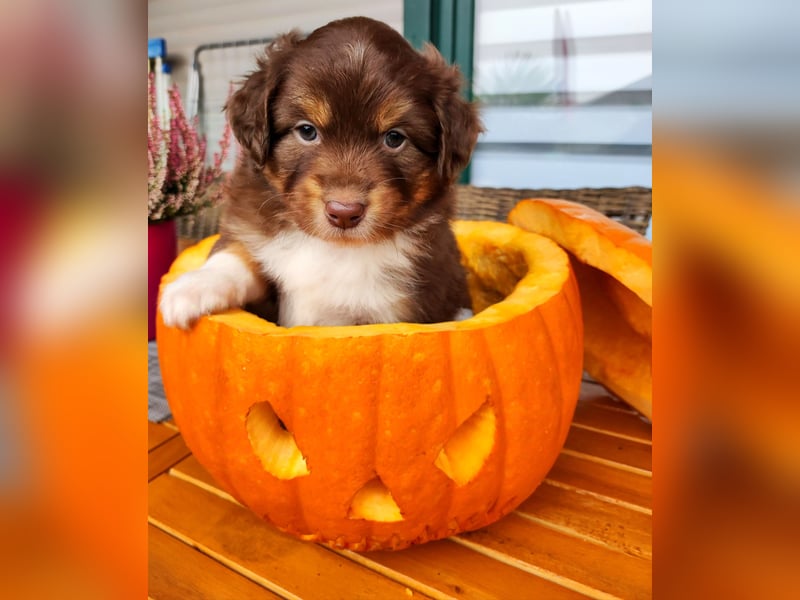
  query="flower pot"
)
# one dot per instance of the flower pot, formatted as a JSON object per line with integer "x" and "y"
{"x": 162, "y": 248}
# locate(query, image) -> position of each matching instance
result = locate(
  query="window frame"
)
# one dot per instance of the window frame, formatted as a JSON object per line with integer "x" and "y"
{"x": 450, "y": 26}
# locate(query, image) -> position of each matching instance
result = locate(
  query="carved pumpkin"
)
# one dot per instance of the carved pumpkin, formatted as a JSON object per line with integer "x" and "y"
{"x": 614, "y": 267}
{"x": 382, "y": 436}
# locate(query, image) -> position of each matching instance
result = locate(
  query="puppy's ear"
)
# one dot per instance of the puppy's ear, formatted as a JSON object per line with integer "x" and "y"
{"x": 458, "y": 119}
{"x": 247, "y": 109}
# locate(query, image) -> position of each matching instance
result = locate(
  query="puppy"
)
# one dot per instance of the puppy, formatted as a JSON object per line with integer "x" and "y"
{"x": 339, "y": 206}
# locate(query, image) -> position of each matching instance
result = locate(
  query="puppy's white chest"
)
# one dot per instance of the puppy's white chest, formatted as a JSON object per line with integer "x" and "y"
{"x": 322, "y": 283}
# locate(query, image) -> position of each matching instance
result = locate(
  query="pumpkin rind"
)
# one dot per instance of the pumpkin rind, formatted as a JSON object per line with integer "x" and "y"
{"x": 371, "y": 408}
{"x": 613, "y": 266}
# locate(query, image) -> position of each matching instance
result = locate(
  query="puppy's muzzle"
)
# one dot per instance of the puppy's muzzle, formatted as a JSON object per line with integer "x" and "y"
{"x": 344, "y": 215}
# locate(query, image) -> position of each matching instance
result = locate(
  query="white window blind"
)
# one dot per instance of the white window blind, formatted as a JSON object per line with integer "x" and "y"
{"x": 566, "y": 88}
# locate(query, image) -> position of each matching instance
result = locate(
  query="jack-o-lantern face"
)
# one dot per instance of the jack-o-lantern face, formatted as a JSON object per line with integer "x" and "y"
{"x": 382, "y": 436}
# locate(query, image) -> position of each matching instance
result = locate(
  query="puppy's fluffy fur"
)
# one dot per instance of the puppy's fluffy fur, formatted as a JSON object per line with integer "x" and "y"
{"x": 338, "y": 209}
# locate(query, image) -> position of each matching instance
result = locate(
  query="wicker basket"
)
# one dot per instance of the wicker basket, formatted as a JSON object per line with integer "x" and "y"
{"x": 630, "y": 206}
{"x": 199, "y": 226}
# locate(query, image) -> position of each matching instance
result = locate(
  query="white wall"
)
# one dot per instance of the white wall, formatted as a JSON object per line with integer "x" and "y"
{"x": 186, "y": 24}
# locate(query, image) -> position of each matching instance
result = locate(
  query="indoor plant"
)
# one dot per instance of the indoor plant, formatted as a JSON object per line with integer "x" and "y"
{"x": 179, "y": 181}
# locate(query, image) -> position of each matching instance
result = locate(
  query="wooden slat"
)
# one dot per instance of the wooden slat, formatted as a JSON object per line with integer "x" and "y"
{"x": 590, "y": 415}
{"x": 235, "y": 536}
{"x": 443, "y": 565}
{"x": 166, "y": 455}
{"x": 610, "y": 449}
{"x": 611, "y": 403}
{"x": 177, "y": 571}
{"x": 464, "y": 573}
{"x": 594, "y": 570}
{"x": 191, "y": 470}
{"x": 585, "y": 516}
{"x": 603, "y": 480}
{"x": 157, "y": 434}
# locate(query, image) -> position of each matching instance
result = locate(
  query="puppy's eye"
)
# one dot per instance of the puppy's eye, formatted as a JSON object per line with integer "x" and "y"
{"x": 394, "y": 139}
{"x": 306, "y": 132}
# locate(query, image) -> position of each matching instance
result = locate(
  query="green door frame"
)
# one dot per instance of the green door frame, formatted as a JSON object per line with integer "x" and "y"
{"x": 449, "y": 25}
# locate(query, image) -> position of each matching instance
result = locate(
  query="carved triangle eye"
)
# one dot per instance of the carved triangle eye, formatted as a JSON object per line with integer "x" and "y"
{"x": 465, "y": 453}
{"x": 374, "y": 502}
{"x": 274, "y": 445}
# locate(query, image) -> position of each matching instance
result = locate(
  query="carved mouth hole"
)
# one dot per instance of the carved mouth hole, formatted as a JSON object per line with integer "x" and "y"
{"x": 374, "y": 502}
{"x": 465, "y": 453}
{"x": 273, "y": 443}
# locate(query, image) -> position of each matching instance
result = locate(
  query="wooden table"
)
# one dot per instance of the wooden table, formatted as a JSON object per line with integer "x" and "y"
{"x": 585, "y": 532}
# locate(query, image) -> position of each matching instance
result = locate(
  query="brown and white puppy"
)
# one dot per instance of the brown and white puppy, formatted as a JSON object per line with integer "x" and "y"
{"x": 340, "y": 203}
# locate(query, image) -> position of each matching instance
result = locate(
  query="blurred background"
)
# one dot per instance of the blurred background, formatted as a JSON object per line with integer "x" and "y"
{"x": 726, "y": 323}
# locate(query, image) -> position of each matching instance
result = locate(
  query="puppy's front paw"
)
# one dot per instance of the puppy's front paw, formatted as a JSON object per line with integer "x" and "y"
{"x": 195, "y": 294}
{"x": 225, "y": 281}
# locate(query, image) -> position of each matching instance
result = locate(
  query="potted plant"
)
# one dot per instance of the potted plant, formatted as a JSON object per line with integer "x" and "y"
{"x": 180, "y": 182}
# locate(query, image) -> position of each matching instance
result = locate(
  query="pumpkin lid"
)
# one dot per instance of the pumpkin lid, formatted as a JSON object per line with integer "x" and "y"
{"x": 593, "y": 238}
{"x": 614, "y": 268}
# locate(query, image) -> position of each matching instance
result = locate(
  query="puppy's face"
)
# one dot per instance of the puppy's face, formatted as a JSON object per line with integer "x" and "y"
{"x": 357, "y": 134}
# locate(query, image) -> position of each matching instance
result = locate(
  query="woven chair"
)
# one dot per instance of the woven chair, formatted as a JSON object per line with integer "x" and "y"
{"x": 631, "y": 206}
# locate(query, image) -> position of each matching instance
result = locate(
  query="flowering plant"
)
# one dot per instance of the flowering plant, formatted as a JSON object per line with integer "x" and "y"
{"x": 179, "y": 181}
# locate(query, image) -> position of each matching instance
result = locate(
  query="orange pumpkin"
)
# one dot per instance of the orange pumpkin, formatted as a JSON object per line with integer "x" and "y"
{"x": 382, "y": 436}
{"x": 614, "y": 268}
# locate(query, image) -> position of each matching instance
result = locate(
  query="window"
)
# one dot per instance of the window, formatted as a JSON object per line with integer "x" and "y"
{"x": 566, "y": 88}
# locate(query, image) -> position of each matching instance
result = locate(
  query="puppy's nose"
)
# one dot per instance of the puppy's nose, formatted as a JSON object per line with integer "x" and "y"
{"x": 344, "y": 214}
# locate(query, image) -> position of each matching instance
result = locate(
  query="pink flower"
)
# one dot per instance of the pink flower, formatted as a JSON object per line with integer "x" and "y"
{"x": 179, "y": 180}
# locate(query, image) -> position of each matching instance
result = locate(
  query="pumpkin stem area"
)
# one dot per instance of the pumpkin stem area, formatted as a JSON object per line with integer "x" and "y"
{"x": 273, "y": 443}
{"x": 465, "y": 453}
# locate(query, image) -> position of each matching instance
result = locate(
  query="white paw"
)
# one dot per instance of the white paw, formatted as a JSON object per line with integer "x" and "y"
{"x": 198, "y": 293}
{"x": 224, "y": 282}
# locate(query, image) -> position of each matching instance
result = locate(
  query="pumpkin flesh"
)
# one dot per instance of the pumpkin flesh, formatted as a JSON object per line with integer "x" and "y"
{"x": 404, "y": 433}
